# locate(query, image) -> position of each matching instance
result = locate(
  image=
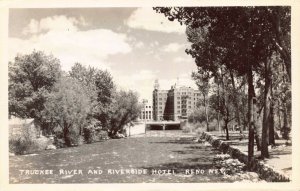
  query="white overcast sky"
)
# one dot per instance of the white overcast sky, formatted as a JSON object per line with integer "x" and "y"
{"x": 137, "y": 45}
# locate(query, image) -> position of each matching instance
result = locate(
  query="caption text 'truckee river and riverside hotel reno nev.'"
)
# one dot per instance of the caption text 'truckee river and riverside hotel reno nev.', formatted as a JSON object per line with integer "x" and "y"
{"x": 122, "y": 171}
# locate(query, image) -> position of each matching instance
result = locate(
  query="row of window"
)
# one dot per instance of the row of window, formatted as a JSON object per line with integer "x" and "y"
{"x": 187, "y": 93}
{"x": 160, "y": 99}
{"x": 184, "y": 102}
{"x": 178, "y": 107}
{"x": 188, "y": 98}
{"x": 184, "y": 111}
{"x": 160, "y": 103}
{"x": 146, "y": 117}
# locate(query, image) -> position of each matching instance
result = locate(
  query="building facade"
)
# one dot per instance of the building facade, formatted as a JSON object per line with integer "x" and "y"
{"x": 146, "y": 111}
{"x": 174, "y": 104}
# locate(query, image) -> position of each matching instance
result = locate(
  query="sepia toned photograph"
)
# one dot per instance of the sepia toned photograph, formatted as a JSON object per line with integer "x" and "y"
{"x": 176, "y": 94}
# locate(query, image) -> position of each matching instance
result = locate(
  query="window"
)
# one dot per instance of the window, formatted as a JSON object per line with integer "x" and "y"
{"x": 178, "y": 102}
{"x": 178, "y": 107}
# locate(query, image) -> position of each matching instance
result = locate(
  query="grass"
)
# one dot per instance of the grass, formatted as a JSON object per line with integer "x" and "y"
{"x": 149, "y": 152}
{"x": 170, "y": 150}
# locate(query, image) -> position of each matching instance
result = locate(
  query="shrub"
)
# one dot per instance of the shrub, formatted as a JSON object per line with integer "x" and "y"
{"x": 23, "y": 143}
{"x": 194, "y": 127}
{"x": 74, "y": 138}
{"x": 21, "y": 146}
{"x": 91, "y": 133}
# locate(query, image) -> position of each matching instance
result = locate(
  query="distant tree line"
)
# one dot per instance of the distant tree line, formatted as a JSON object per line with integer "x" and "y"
{"x": 243, "y": 55}
{"x": 74, "y": 104}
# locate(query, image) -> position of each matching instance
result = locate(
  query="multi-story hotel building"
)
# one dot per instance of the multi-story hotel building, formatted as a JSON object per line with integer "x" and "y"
{"x": 146, "y": 111}
{"x": 174, "y": 104}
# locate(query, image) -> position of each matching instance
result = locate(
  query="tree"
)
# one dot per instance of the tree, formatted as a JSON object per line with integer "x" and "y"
{"x": 125, "y": 108}
{"x": 202, "y": 81}
{"x": 224, "y": 103}
{"x": 31, "y": 78}
{"x": 240, "y": 38}
{"x": 68, "y": 106}
{"x": 100, "y": 88}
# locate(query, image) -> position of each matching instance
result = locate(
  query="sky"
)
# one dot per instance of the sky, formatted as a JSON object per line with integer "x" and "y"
{"x": 136, "y": 45}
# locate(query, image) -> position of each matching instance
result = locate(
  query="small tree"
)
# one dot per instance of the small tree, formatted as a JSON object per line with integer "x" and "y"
{"x": 68, "y": 106}
{"x": 202, "y": 81}
{"x": 100, "y": 88}
{"x": 124, "y": 109}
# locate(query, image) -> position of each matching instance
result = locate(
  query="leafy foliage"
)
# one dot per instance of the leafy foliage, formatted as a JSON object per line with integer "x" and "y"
{"x": 125, "y": 108}
{"x": 241, "y": 40}
{"x": 100, "y": 88}
{"x": 68, "y": 106}
{"x": 31, "y": 78}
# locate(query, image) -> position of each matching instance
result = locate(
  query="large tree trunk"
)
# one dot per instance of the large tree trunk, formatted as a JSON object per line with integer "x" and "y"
{"x": 257, "y": 126}
{"x": 267, "y": 108}
{"x": 279, "y": 115}
{"x": 285, "y": 127}
{"x": 257, "y": 134}
{"x": 226, "y": 129}
{"x": 67, "y": 138}
{"x": 226, "y": 121}
{"x": 251, "y": 95}
{"x": 245, "y": 120}
{"x": 271, "y": 122}
{"x": 218, "y": 115}
{"x": 271, "y": 126}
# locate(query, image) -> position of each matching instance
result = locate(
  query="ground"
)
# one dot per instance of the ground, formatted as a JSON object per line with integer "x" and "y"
{"x": 156, "y": 150}
{"x": 280, "y": 155}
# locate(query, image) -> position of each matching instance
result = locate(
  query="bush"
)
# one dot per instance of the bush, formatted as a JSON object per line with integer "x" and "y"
{"x": 75, "y": 138}
{"x": 23, "y": 143}
{"x": 89, "y": 134}
{"x": 21, "y": 146}
{"x": 194, "y": 127}
{"x": 197, "y": 115}
{"x": 59, "y": 139}
{"x": 92, "y": 132}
